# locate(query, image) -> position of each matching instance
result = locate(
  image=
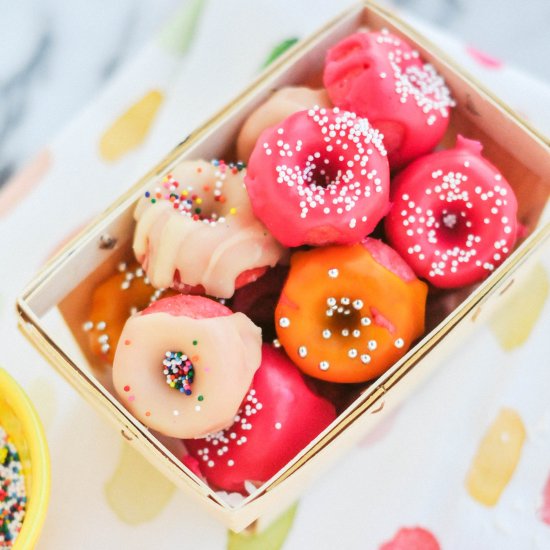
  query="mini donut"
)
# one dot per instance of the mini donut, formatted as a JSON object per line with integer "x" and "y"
{"x": 197, "y": 230}
{"x": 347, "y": 313}
{"x": 280, "y": 415}
{"x": 281, "y": 103}
{"x": 184, "y": 365}
{"x": 118, "y": 297}
{"x": 453, "y": 216}
{"x": 319, "y": 177}
{"x": 380, "y": 76}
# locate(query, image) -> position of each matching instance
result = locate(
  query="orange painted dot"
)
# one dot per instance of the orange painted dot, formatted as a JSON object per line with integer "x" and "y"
{"x": 199, "y": 169}
{"x": 147, "y": 413}
{"x": 195, "y": 358}
{"x": 222, "y": 199}
{"x": 206, "y": 187}
{"x": 127, "y": 342}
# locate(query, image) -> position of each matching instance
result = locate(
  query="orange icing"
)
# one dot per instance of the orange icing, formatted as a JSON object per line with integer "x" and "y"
{"x": 113, "y": 301}
{"x": 385, "y": 314}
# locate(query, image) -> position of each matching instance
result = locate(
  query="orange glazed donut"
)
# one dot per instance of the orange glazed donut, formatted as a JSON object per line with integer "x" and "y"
{"x": 115, "y": 300}
{"x": 347, "y": 313}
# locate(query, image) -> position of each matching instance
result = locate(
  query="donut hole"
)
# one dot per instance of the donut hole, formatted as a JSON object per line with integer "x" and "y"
{"x": 453, "y": 223}
{"x": 323, "y": 172}
{"x": 345, "y": 316}
{"x": 178, "y": 371}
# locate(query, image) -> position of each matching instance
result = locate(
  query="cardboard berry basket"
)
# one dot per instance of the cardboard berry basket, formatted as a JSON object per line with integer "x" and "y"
{"x": 55, "y": 305}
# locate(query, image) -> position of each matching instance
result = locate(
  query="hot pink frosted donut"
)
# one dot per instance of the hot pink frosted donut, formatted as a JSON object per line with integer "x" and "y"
{"x": 196, "y": 230}
{"x": 279, "y": 417}
{"x": 319, "y": 177}
{"x": 378, "y": 75}
{"x": 453, "y": 216}
{"x": 184, "y": 365}
{"x": 281, "y": 103}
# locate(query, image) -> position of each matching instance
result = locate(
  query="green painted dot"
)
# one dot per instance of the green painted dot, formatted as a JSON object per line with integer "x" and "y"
{"x": 201, "y": 398}
{"x": 195, "y": 342}
{"x": 279, "y": 50}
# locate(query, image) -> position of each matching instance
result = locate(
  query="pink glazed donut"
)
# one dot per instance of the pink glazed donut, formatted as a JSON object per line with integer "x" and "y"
{"x": 379, "y": 76}
{"x": 281, "y": 103}
{"x": 453, "y": 216}
{"x": 280, "y": 415}
{"x": 184, "y": 364}
{"x": 319, "y": 177}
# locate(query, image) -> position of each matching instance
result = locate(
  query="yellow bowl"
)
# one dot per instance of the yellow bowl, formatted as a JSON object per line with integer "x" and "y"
{"x": 20, "y": 420}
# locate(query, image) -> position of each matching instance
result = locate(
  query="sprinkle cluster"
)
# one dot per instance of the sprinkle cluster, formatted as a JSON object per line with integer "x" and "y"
{"x": 13, "y": 497}
{"x": 193, "y": 202}
{"x": 179, "y": 371}
{"x": 420, "y": 83}
{"x": 335, "y": 178}
{"x": 428, "y": 228}
{"x": 218, "y": 445}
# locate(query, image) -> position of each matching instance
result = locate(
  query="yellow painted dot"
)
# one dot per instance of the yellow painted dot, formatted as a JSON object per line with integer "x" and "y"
{"x": 130, "y": 129}
{"x": 496, "y": 459}
{"x": 137, "y": 492}
{"x": 233, "y": 210}
{"x": 199, "y": 200}
{"x": 515, "y": 319}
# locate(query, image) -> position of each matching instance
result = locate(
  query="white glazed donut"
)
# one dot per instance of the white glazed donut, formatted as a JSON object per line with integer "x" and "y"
{"x": 197, "y": 229}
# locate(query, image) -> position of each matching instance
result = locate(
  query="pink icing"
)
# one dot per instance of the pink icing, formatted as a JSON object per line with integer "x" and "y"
{"x": 453, "y": 216}
{"x": 379, "y": 75}
{"x": 281, "y": 104}
{"x": 389, "y": 258}
{"x": 221, "y": 379}
{"x": 279, "y": 416}
{"x": 319, "y": 177}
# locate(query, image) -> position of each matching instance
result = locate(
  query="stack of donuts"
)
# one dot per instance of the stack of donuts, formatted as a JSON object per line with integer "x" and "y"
{"x": 305, "y": 261}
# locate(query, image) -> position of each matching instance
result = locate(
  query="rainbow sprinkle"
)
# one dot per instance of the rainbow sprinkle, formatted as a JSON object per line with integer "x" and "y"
{"x": 179, "y": 371}
{"x": 13, "y": 497}
{"x": 190, "y": 201}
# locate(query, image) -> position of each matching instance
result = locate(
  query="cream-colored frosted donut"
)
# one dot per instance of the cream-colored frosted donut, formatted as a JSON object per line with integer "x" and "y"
{"x": 279, "y": 106}
{"x": 197, "y": 228}
{"x": 184, "y": 365}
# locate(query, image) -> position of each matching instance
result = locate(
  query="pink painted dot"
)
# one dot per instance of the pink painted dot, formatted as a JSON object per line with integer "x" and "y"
{"x": 545, "y": 508}
{"x": 484, "y": 59}
{"x": 412, "y": 538}
{"x": 127, "y": 342}
{"x": 131, "y": 397}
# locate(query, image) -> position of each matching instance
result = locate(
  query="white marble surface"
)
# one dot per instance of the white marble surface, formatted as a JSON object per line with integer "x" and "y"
{"x": 56, "y": 55}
